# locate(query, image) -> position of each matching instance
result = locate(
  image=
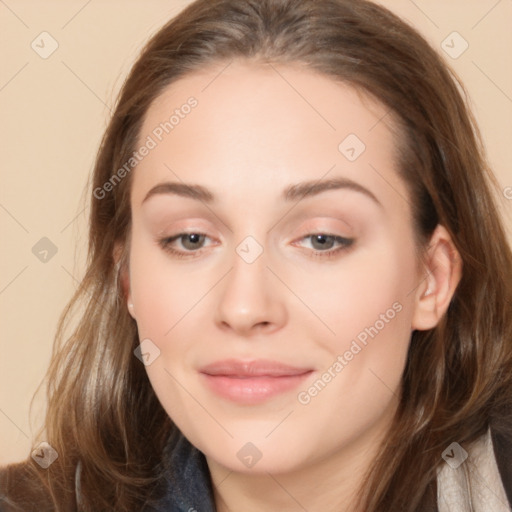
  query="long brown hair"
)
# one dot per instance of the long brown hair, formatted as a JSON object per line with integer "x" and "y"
{"x": 102, "y": 409}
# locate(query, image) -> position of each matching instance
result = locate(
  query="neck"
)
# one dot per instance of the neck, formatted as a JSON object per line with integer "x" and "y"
{"x": 329, "y": 483}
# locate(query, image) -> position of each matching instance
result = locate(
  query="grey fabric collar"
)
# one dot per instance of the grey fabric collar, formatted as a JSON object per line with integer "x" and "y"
{"x": 472, "y": 483}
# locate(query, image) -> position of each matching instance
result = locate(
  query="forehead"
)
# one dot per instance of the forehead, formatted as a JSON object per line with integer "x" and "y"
{"x": 264, "y": 124}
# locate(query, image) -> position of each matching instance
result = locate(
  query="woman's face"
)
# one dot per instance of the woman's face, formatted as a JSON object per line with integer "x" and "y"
{"x": 275, "y": 332}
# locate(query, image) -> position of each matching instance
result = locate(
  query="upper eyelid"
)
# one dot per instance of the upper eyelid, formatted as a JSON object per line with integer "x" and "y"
{"x": 310, "y": 228}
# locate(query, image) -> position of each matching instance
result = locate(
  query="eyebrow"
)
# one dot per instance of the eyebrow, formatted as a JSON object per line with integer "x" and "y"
{"x": 291, "y": 193}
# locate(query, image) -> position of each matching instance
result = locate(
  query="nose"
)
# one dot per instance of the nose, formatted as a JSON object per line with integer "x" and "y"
{"x": 251, "y": 299}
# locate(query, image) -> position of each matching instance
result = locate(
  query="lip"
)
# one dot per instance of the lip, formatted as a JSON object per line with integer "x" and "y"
{"x": 252, "y": 382}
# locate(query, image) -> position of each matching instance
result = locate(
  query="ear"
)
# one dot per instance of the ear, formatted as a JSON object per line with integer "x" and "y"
{"x": 124, "y": 276}
{"x": 442, "y": 270}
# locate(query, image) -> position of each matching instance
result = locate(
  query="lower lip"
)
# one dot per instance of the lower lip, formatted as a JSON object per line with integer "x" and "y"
{"x": 252, "y": 390}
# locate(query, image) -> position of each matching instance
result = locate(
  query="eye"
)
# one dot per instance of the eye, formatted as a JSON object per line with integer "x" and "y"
{"x": 192, "y": 243}
{"x": 323, "y": 243}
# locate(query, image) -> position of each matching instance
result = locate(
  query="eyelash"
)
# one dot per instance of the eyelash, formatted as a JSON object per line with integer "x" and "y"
{"x": 165, "y": 243}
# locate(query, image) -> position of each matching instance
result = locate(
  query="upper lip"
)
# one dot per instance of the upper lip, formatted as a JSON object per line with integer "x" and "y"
{"x": 256, "y": 368}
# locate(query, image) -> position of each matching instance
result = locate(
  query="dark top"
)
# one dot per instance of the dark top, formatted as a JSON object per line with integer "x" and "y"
{"x": 189, "y": 489}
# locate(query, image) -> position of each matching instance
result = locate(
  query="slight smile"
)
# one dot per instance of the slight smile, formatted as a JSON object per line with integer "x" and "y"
{"x": 252, "y": 382}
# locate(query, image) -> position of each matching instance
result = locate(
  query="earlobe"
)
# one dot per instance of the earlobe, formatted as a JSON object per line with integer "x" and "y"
{"x": 128, "y": 293}
{"x": 125, "y": 283}
{"x": 124, "y": 278}
{"x": 442, "y": 273}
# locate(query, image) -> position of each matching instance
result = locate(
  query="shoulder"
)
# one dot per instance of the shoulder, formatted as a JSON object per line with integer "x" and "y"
{"x": 22, "y": 489}
{"x": 502, "y": 447}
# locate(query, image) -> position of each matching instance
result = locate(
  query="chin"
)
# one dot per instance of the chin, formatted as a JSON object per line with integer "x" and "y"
{"x": 257, "y": 458}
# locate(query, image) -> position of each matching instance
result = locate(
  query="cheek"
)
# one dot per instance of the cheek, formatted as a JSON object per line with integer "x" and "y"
{"x": 164, "y": 297}
{"x": 368, "y": 306}
{"x": 368, "y": 291}
{"x": 162, "y": 293}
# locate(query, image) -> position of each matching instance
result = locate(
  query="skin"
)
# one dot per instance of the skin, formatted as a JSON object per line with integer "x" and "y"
{"x": 256, "y": 130}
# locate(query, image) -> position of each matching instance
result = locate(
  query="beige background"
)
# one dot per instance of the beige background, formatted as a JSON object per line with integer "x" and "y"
{"x": 54, "y": 111}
